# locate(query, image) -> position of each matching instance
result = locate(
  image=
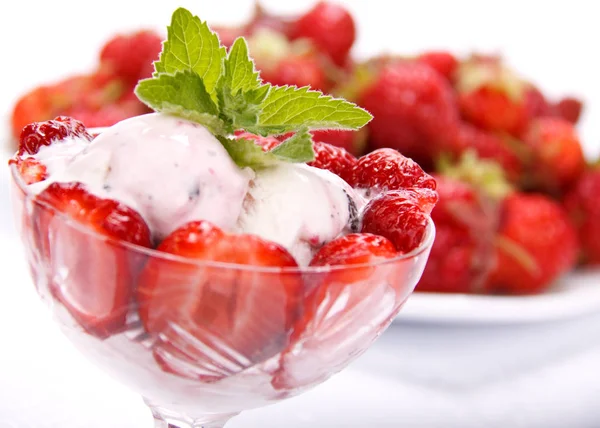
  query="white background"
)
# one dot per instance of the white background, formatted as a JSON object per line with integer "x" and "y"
{"x": 415, "y": 376}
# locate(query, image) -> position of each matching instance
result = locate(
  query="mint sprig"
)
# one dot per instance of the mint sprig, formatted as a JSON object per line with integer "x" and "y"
{"x": 195, "y": 78}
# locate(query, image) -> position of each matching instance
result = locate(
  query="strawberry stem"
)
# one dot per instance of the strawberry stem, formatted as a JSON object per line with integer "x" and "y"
{"x": 484, "y": 174}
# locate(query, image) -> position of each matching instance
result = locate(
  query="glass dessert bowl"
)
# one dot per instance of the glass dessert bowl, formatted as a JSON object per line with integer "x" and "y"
{"x": 202, "y": 341}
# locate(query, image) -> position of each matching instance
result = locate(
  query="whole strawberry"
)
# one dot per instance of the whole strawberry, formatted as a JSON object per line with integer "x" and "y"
{"x": 131, "y": 55}
{"x": 556, "y": 157}
{"x": 297, "y": 70}
{"x": 536, "y": 244}
{"x": 330, "y": 27}
{"x": 34, "y": 106}
{"x": 463, "y": 251}
{"x": 414, "y": 109}
{"x": 284, "y": 62}
{"x": 492, "y": 97}
{"x": 38, "y": 134}
{"x": 387, "y": 169}
{"x": 487, "y": 145}
{"x": 568, "y": 108}
{"x": 583, "y": 205}
{"x": 398, "y": 217}
{"x": 441, "y": 61}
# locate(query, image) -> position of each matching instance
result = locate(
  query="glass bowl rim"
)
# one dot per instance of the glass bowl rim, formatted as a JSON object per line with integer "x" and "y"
{"x": 153, "y": 253}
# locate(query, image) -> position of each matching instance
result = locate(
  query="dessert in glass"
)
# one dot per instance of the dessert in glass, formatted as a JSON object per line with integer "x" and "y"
{"x": 205, "y": 263}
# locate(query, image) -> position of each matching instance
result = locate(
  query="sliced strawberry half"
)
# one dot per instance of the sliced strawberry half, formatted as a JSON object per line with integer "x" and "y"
{"x": 345, "y": 310}
{"x": 211, "y": 321}
{"x": 89, "y": 271}
{"x": 31, "y": 170}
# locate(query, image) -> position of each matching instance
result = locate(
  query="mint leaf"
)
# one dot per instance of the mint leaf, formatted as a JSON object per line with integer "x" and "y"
{"x": 287, "y": 108}
{"x": 297, "y": 148}
{"x": 191, "y": 45}
{"x": 182, "y": 94}
{"x": 240, "y": 91}
{"x": 196, "y": 79}
{"x": 247, "y": 153}
{"x": 240, "y": 73}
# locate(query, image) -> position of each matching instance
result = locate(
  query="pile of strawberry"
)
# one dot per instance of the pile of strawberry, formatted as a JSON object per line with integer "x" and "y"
{"x": 102, "y": 97}
{"x": 517, "y": 205}
{"x": 527, "y": 217}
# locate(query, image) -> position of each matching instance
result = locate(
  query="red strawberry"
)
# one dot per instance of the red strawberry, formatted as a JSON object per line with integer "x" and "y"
{"x": 569, "y": 109}
{"x": 345, "y": 309}
{"x": 32, "y": 107}
{"x": 386, "y": 169}
{"x": 77, "y": 93}
{"x": 330, "y": 27}
{"x": 583, "y": 205}
{"x": 267, "y": 143}
{"x": 398, "y": 218}
{"x": 262, "y": 19}
{"x": 334, "y": 159}
{"x": 282, "y": 62}
{"x": 556, "y": 154}
{"x": 234, "y": 307}
{"x": 90, "y": 272}
{"x": 131, "y": 55}
{"x": 463, "y": 251}
{"x": 441, "y": 61}
{"x": 355, "y": 248}
{"x": 30, "y": 169}
{"x": 39, "y": 134}
{"x": 487, "y": 145}
{"x": 108, "y": 115}
{"x": 227, "y": 35}
{"x": 353, "y": 141}
{"x": 297, "y": 70}
{"x": 536, "y": 103}
{"x": 536, "y": 245}
{"x": 413, "y": 107}
{"x": 492, "y": 97}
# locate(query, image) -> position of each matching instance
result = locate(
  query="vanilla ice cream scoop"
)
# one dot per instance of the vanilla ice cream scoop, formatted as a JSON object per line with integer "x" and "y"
{"x": 300, "y": 208}
{"x": 170, "y": 170}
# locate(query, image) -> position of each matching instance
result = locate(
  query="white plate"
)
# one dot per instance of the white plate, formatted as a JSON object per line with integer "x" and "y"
{"x": 576, "y": 295}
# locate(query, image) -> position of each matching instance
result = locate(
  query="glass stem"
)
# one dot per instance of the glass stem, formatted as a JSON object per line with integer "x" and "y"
{"x": 160, "y": 421}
